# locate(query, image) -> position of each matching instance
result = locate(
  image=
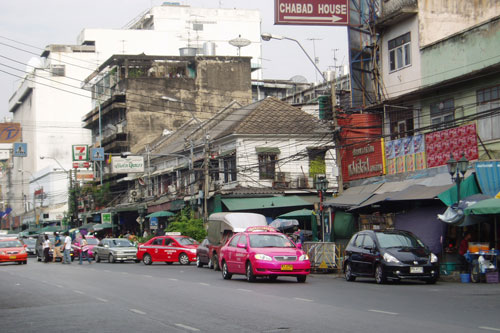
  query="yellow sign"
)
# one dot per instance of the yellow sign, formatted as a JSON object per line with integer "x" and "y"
{"x": 10, "y": 132}
{"x": 323, "y": 265}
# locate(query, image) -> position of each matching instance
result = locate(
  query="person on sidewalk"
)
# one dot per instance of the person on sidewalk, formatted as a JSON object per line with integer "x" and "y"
{"x": 56, "y": 253}
{"x": 67, "y": 249}
{"x": 84, "y": 250}
{"x": 46, "y": 248}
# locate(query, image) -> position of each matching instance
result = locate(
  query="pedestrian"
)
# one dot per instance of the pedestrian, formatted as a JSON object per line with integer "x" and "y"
{"x": 67, "y": 249}
{"x": 145, "y": 234}
{"x": 84, "y": 250}
{"x": 46, "y": 248}
{"x": 56, "y": 253}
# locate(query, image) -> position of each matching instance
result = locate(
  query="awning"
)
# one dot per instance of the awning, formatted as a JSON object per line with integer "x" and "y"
{"x": 488, "y": 176}
{"x": 161, "y": 213}
{"x": 297, "y": 213}
{"x": 353, "y": 196}
{"x": 235, "y": 204}
{"x": 484, "y": 207}
{"x": 267, "y": 150}
{"x": 468, "y": 187}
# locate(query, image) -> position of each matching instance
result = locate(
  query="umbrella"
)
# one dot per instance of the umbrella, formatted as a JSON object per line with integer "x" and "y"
{"x": 101, "y": 226}
{"x": 49, "y": 228}
{"x": 283, "y": 224}
{"x": 161, "y": 213}
{"x": 87, "y": 226}
{"x": 488, "y": 206}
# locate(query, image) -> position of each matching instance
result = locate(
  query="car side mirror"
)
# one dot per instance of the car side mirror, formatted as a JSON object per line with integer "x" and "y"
{"x": 25, "y": 245}
{"x": 241, "y": 246}
{"x": 106, "y": 245}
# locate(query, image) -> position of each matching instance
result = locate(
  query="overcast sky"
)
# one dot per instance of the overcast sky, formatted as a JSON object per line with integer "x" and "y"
{"x": 30, "y": 25}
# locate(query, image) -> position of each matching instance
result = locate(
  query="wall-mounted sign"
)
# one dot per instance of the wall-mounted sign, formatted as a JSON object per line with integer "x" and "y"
{"x": 97, "y": 154}
{"x": 20, "y": 149}
{"x": 85, "y": 175}
{"x": 105, "y": 217}
{"x": 10, "y": 132}
{"x": 81, "y": 165}
{"x": 311, "y": 12}
{"x": 405, "y": 154}
{"x": 129, "y": 164}
{"x": 80, "y": 153}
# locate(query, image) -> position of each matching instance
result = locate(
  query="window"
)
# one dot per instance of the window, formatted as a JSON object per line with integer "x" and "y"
{"x": 58, "y": 70}
{"x": 198, "y": 26}
{"x": 368, "y": 242}
{"x": 157, "y": 241}
{"x": 443, "y": 113}
{"x": 267, "y": 165}
{"x": 234, "y": 241}
{"x": 488, "y": 101}
{"x": 230, "y": 169}
{"x": 401, "y": 123}
{"x": 359, "y": 241}
{"x": 317, "y": 164}
{"x": 399, "y": 52}
{"x": 243, "y": 240}
{"x": 214, "y": 169}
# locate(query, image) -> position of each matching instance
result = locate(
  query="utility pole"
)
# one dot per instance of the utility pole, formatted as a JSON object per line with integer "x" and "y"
{"x": 316, "y": 59}
{"x": 336, "y": 139}
{"x": 207, "y": 178}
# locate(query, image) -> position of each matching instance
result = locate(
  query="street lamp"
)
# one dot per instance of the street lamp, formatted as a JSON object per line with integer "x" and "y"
{"x": 457, "y": 170}
{"x": 321, "y": 185}
{"x": 267, "y": 37}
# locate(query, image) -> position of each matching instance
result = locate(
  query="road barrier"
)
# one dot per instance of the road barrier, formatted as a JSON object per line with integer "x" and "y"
{"x": 323, "y": 255}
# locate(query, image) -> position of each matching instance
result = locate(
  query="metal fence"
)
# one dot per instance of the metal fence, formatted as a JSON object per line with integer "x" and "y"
{"x": 323, "y": 256}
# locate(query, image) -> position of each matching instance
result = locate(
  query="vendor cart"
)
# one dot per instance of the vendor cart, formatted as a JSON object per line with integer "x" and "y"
{"x": 482, "y": 262}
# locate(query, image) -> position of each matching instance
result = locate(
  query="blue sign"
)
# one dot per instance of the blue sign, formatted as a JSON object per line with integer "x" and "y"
{"x": 153, "y": 222}
{"x": 97, "y": 154}
{"x": 20, "y": 149}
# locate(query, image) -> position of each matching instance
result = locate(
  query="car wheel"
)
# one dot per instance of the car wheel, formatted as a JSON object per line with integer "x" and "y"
{"x": 147, "y": 260}
{"x": 25, "y": 262}
{"x": 183, "y": 259}
{"x": 215, "y": 262}
{"x": 273, "y": 277}
{"x": 225, "y": 273}
{"x": 475, "y": 276}
{"x": 111, "y": 259}
{"x": 97, "y": 258}
{"x": 199, "y": 264}
{"x": 19, "y": 262}
{"x": 380, "y": 277}
{"x": 301, "y": 278}
{"x": 210, "y": 263}
{"x": 169, "y": 262}
{"x": 38, "y": 258}
{"x": 250, "y": 275}
{"x": 348, "y": 273}
{"x": 431, "y": 281}
{"x": 72, "y": 258}
{"x": 137, "y": 261}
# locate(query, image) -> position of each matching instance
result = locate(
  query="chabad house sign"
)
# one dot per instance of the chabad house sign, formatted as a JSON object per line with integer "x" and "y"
{"x": 127, "y": 165}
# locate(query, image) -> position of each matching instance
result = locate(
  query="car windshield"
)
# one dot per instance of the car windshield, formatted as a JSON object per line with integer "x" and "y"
{"x": 92, "y": 241}
{"x": 10, "y": 243}
{"x": 120, "y": 243}
{"x": 186, "y": 241}
{"x": 276, "y": 240}
{"x": 29, "y": 241}
{"x": 387, "y": 240}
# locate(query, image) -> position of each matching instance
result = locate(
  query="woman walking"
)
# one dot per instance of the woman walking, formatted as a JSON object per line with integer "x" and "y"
{"x": 46, "y": 248}
{"x": 84, "y": 250}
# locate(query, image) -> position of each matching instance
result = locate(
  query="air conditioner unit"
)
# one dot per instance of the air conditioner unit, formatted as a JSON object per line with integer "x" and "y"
{"x": 172, "y": 189}
{"x": 282, "y": 176}
{"x": 119, "y": 128}
{"x": 302, "y": 182}
{"x": 133, "y": 195}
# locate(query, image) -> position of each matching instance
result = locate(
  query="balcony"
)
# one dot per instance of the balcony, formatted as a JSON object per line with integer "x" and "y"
{"x": 395, "y": 11}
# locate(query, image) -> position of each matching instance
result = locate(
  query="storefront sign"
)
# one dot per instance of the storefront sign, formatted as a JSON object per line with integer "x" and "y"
{"x": 105, "y": 217}
{"x": 311, "y": 12}
{"x": 10, "y": 132}
{"x": 80, "y": 153}
{"x": 439, "y": 145}
{"x": 129, "y": 164}
{"x": 364, "y": 161}
{"x": 405, "y": 154}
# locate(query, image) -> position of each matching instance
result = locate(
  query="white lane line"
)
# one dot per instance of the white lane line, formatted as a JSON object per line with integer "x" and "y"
{"x": 124, "y": 273}
{"x": 173, "y": 279}
{"x": 489, "y": 328}
{"x": 78, "y": 292}
{"x": 18, "y": 284}
{"x": 189, "y": 328}
{"x": 150, "y": 276}
{"x": 303, "y": 299}
{"x": 138, "y": 311}
{"x": 106, "y": 270}
{"x": 204, "y": 284}
{"x": 101, "y": 299}
{"x": 58, "y": 285}
{"x": 241, "y": 289}
{"x": 384, "y": 312}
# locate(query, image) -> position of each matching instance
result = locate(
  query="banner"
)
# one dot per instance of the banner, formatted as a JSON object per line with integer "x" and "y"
{"x": 10, "y": 132}
{"x": 405, "y": 154}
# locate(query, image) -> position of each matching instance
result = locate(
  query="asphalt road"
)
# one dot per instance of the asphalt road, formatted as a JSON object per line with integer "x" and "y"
{"x": 129, "y": 297}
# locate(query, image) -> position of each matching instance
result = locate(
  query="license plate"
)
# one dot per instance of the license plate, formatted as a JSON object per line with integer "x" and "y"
{"x": 12, "y": 257}
{"x": 287, "y": 267}
{"x": 416, "y": 270}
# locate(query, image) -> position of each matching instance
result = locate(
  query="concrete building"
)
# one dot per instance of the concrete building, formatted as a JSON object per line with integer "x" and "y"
{"x": 50, "y": 103}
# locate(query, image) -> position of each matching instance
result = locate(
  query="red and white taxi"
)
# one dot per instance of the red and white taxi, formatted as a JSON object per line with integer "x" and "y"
{"x": 263, "y": 251}
{"x": 12, "y": 250}
{"x": 169, "y": 248}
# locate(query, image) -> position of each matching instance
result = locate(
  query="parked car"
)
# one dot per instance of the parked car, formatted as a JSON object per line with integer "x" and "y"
{"x": 115, "y": 249}
{"x": 39, "y": 247}
{"x": 202, "y": 257}
{"x": 389, "y": 255}
{"x": 30, "y": 245}
{"x": 169, "y": 248}
{"x": 221, "y": 226}
{"x": 91, "y": 243}
{"x": 263, "y": 251}
{"x": 12, "y": 250}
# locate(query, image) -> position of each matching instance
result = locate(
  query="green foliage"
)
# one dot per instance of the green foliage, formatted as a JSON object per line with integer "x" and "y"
{"x": 187, "y": 225}
{"x": 317, "y": 166}
{"x": 144, "y": 239}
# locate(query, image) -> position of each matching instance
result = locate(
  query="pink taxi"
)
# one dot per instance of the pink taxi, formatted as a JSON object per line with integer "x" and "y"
{"x": 263, "y": 251}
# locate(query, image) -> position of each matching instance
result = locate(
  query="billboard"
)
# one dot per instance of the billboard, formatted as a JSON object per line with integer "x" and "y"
{"x": 311, "y": 12}
{"x": 405, "y": 154}
{"x": 10, "y": 132}
{"x": 128, "y": 164}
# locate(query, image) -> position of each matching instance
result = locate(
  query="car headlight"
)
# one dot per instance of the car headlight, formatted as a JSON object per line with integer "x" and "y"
{"x": 192, "y": 250}
{"x": 303, "y": 257}
{"x": 2, "y": 253}
{"x": 22, "y": 252}
{"x": 260, "y": 256}
{"x": 434, "y": 258}
{"x": 390, "y": 258}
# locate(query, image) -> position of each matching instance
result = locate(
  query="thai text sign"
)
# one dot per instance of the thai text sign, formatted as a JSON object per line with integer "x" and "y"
{"x": 311, "y": 12}
{"x": 10, "y": 132}
{"x": 405, "y": 154}
{"x": 363, "y": 161}
{"x": 127, "y": 165}
{"x": 439, "y": 145}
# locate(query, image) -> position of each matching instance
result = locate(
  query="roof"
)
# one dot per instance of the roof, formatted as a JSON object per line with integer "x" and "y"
{"x": 236, "y": 204}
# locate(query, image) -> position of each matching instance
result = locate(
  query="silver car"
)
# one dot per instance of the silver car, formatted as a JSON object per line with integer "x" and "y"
{"x": 115, "y": 249}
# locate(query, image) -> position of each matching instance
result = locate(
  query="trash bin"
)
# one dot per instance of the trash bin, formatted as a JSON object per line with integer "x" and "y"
{"x": 465, "y": 277}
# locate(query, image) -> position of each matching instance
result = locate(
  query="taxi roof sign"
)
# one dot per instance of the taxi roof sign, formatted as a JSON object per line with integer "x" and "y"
{"x": 173, "y": 233}
{"x": 261, "y": 228}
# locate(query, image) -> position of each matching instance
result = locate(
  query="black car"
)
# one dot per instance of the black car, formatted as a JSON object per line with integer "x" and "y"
{"x": 202, "y": 257}
{"x": 30, "y": 245}
{"x": 39, "y": 248}
{"x": 389, "y": 255}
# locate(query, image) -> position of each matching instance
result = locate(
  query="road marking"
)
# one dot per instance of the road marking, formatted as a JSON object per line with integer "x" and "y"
{"x": 173, "y": 279}
{"x": 101, "y": 299}
{"x": 138, "y": 311}
{"x": 189, "y": 328}
{"x": 124, "y": 273}
{"x": 384, "y": 312}
{"x": 489, "y": 328}
{"x": 106, "y": 270}
{"x": 18, "y": 284}
{"x": 241, "y": 289}
{"x": 58, "y": 286}
{"x": 204, "y": 284}
{"x": 147, "y": 275}
{"x": 78, "y": 292}
{"x": 303, "y": 299}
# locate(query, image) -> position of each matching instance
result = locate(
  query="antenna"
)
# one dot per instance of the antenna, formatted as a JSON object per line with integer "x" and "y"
{"x": 316, "y": 59}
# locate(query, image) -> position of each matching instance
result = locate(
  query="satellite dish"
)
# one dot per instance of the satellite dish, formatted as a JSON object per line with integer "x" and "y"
{"x": 239, "y": 43}
{"x": 298, "y": 79}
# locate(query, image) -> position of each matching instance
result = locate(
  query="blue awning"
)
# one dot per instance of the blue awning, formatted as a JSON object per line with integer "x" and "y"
{"x": 488, "y": 177}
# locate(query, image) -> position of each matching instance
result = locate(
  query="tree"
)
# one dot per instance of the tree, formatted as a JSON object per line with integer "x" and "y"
{"x": 185, "y": 223}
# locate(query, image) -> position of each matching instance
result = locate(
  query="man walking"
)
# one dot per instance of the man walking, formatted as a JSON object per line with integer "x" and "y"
{"x": 56, "y": 253}
{"x": 67, "y": 249}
